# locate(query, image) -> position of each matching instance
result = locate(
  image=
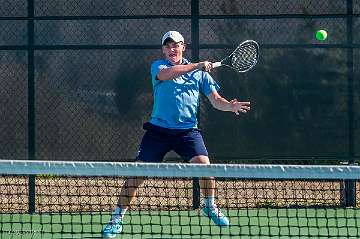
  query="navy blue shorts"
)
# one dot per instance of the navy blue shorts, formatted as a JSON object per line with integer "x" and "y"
{"x": 158, "y": 141}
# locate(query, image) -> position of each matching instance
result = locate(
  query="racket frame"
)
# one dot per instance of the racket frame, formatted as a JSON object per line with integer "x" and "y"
{"x": 221, "y": 63}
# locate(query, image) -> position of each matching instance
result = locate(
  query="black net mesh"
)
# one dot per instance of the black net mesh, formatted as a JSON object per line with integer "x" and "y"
{"x": 271, "y": 31}
{"x": 81, "y": 206}
{"x": 111, "y": 8}
{"x": 13, "y": 101}
{"x": 278, "y": 7}
{"x": 107, "y": 32}
{"x": 13, "y": 8}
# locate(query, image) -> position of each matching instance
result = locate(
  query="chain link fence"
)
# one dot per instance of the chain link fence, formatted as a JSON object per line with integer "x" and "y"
{"x": 75, "y": 77}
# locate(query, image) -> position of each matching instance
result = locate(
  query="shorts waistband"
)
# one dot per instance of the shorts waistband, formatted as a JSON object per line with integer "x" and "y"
{"x": 150, "y": 126}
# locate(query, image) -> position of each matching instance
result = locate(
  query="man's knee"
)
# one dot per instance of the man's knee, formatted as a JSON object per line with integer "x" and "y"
{"x": 134, "y": 182}
{"x": 200, "y": 159}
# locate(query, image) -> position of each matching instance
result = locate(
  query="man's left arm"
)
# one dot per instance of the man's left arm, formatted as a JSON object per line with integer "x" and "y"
{"x": 220, "y": 103}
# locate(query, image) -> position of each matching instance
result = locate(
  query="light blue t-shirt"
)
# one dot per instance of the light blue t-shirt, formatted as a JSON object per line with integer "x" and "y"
{"x": 176, "y": 101}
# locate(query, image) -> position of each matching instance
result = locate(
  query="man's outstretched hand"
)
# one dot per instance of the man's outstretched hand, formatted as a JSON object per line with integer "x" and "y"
{"x": 239, "y": 107}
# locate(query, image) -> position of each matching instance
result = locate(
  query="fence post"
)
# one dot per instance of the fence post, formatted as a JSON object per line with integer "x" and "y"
{"x": 195, "y": 58}
{"x": 31, "y": 102}
{"x": 350, "y": 185}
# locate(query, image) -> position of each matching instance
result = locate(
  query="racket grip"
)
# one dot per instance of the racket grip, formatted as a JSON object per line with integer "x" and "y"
{"x": 216, "y": 64}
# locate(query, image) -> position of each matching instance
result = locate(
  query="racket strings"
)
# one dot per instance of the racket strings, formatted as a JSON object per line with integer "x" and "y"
{"x": 244, "y": 57}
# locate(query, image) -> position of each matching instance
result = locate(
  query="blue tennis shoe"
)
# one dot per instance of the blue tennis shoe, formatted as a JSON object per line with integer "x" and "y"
{"x": 113, "y": 228}
{"x": 216, "y": 216}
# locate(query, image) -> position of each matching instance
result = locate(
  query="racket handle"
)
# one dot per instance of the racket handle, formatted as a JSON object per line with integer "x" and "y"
{"x": 216, "y": 64}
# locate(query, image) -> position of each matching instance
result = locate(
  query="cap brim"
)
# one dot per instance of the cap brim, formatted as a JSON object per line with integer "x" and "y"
{"x": 169, "y": 39}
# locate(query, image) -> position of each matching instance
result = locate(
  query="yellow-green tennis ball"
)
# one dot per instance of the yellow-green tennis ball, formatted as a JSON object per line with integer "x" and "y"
{"x": 321, "y": 35}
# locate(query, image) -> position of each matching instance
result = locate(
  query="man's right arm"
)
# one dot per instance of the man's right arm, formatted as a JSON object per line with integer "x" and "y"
{"x": 178, "y": 70}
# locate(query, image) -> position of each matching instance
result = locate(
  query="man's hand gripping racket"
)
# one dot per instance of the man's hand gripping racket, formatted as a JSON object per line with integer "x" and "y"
{"x": 243, "y": 58}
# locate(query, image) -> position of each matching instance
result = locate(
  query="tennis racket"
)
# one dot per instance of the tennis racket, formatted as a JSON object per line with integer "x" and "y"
{"x": 243, "y": 58}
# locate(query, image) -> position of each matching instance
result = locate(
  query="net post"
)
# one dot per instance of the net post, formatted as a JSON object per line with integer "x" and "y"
{"x": 348, "y": 190}
{"x": 32, "y": 195}
{"x": 196, "y": 193}
{"x": 31, "y": 103}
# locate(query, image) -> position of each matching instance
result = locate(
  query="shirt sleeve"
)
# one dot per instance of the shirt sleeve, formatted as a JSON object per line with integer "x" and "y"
{"x": 208, "y": 84}
{"x": 155, "y": 68}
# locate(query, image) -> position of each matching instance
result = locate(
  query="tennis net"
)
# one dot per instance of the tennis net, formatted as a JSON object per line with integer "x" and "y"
{"x": 43, "y": 199}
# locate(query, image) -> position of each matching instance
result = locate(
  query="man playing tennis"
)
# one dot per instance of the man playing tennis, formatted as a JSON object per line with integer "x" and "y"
{"x": 177, "y": 85}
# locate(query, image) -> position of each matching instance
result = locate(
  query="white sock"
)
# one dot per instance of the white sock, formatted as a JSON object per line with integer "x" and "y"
{"x": 119, "y": 213}
{"x": 209, "y": 201}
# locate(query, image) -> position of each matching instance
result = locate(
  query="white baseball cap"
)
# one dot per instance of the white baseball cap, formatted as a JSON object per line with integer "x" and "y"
{"x": 174, "y": 35}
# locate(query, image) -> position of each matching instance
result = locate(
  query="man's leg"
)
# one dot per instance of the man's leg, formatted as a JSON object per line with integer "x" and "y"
{"x": 128, "y": 191}
{"x": 127, "y": 194}
{"x": 207, "y": 186}
{"x": 153, "y": 148}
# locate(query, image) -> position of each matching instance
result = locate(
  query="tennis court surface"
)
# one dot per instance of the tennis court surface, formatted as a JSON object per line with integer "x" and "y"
{"x": 75, "y": 200}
